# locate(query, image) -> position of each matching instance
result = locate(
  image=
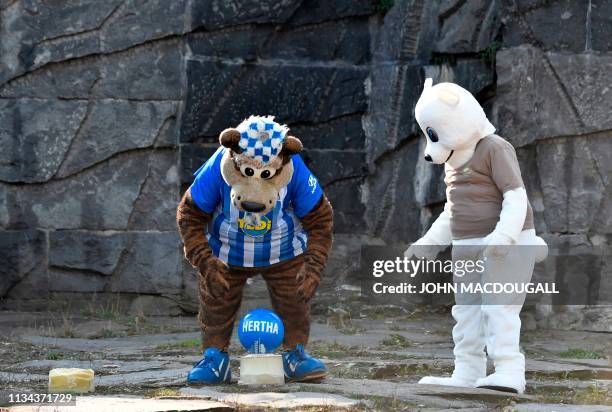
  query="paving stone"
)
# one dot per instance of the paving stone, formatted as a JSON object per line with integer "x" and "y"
{"x": 430, "y": 395}
{"x": 149, "y": 378}
{"x": 274, "y": 400}
{"x": 132, "y": 404}
{"x": 537, "y": 407}
{"x": 100, "y": 367}
{"x": 22, "y": 378}
{"x": 129, "y": 345}
{"x": 138, "y": 363}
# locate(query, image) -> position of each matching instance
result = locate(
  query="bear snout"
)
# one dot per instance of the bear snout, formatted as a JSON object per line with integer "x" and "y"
{"x": 253, "y": 207}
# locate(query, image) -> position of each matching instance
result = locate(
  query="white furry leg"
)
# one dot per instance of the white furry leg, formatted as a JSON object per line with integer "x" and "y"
{"x": 470, "y": 359}
{"x": 503, "y": 327}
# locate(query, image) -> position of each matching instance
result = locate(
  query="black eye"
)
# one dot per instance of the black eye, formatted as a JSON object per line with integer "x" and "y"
{"x": 265, "y": 174}
{"x": 432, "y": 134}
{"x": 249, "y": 172}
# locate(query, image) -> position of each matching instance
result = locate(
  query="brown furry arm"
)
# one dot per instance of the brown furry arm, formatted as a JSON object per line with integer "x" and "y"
{"x": 192, "y": 222}
{"x": 319, "y": 226}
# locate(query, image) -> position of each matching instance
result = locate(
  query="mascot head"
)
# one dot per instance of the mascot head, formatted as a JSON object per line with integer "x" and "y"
{"x": 257, "y": 163}
{"x": 451, "y": 119}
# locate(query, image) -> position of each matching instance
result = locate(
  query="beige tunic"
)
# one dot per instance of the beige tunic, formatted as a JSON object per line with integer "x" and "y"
{"x": 475, "y": 190}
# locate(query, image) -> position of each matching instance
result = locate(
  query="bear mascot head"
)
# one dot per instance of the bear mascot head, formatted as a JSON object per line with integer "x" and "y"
{"x": 452, "y": 120}
{"x": 257, "y": 164}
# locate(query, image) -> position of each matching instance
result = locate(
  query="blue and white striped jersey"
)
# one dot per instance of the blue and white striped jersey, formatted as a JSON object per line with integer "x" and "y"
{"x": 280, "y": 235}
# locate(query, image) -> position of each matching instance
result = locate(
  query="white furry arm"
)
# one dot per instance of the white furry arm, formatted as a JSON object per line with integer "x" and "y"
{"x": 440, "y": 232}
{"x": 513, "y": 213}
{"x": 433, "y": 242}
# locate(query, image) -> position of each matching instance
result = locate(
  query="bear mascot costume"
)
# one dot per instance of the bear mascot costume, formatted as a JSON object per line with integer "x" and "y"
{"x": 486, "y": 212}
{"x": 254, "y": 208}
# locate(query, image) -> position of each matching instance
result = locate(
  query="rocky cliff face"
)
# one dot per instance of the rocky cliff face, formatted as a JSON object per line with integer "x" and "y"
{"x": 106, "y": 109}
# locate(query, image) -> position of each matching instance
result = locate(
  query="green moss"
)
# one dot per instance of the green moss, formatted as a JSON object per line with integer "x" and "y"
{"x": 183, "y": 344}
{"x": 381, "y": 312}
{"x": 591, "y": 395}
{"x": 383, "y": 6}
{"x": 489, "y": 52}
{"x": 581, "y": 354}
{"x": 381, "y": 403}
{"x": 162, "y": 392}
{"x": 331, "y": 350}
{"x": 55, "y": 355}
{"x": 396, "y": 340}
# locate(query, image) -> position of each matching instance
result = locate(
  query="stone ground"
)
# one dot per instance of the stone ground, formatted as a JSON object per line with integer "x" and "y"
{"x": 375, "y": 357}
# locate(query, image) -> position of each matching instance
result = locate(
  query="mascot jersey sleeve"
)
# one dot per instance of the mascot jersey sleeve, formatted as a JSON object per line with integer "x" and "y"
{"x": 280, "y": 235}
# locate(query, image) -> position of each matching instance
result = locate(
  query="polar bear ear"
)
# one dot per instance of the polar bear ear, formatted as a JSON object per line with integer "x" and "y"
{"x": 428, "y": 83}
{"x": 448, "y": 97}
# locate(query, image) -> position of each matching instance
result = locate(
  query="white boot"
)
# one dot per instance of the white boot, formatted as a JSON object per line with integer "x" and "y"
{"x": 503, "y": 330}
{"x": 470, "y": 359}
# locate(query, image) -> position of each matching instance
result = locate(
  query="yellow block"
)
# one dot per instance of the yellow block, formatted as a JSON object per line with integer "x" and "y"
{"x": 71, "y": 380}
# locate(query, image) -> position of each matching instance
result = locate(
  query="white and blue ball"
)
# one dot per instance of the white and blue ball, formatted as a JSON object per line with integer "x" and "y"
{"x": 261, "y": 331}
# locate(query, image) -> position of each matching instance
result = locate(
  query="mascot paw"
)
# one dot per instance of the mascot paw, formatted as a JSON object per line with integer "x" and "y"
{"x": 498, "y": 245}
{"x": 449, "y": 381}
{"x": 422, "y": 249}
{"x": 214, "y": 282}
{"x": 308, "y": 284}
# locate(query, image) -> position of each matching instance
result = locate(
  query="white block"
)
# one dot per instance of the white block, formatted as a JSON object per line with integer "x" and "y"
{"x": 261, "y": 369}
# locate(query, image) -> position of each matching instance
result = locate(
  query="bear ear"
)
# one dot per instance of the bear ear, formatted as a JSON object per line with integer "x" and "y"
{"x": 428, "y": 83}
{"x": 230, "y": 138}
{"x": 291, "y": 145}
{"x": 448, "y": 96}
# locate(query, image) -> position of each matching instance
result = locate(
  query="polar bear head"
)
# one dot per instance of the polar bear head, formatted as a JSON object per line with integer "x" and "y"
{"x": 451, "y": 119}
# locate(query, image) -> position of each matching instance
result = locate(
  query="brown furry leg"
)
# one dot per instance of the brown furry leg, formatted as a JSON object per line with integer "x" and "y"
{"x": 295, "y": 313}
{"x": 217, "y": 315}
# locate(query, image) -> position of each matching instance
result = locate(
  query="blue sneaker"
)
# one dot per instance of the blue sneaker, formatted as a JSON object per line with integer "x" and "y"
{"x": 301, "y": 367}
{"x": 213, "y": 369}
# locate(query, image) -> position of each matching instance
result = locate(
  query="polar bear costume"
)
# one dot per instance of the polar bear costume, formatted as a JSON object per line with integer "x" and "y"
{"x": 487, "y": 209}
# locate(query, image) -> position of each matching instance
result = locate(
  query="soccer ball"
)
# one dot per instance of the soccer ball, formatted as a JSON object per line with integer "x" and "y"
{"x": 261, "y": 331}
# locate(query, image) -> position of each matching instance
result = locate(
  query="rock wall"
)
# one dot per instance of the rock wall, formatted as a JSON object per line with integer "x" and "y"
{"x": 106, "y": 109}
{"x": 89, "y": 172}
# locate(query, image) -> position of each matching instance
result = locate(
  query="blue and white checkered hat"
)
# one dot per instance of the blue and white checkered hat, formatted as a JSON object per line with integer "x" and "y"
{"x": 261, "y": 138}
